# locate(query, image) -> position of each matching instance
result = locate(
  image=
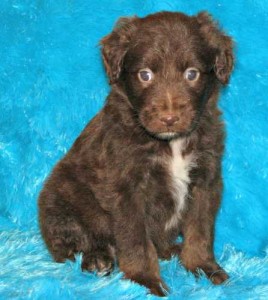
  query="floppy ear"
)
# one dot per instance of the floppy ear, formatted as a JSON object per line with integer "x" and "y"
{"x": 222, "y": 44}
{"x": 115, "y": 46}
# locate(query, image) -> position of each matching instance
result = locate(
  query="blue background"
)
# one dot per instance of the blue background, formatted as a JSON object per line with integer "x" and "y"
{"x": 52, "y": 83}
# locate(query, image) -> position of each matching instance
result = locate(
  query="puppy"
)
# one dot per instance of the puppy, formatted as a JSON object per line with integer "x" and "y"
{"x": 147, "y": 168}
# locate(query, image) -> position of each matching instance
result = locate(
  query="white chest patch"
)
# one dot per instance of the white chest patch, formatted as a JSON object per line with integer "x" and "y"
{"x": 179, "y": 167}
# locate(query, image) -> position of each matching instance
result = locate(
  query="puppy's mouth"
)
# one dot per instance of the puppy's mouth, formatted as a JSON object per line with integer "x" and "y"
{"x": 171, "y": 133}
{"x": 168, "y": 125}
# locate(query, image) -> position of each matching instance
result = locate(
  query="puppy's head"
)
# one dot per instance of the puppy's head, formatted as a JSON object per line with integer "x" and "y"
{"x": 168, "y": 64}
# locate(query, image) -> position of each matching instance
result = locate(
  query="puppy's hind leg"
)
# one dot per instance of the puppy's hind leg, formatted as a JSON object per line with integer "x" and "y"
{"x": 100, "y": 258}
{"x": 66, "y": 234}
{"x": 61, "y": 228}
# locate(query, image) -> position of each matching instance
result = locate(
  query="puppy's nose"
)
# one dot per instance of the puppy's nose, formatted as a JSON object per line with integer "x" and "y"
{"x": 169, "y": 120}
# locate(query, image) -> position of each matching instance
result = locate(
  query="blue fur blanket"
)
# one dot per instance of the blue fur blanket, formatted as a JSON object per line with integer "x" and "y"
{"x": 52, "y": 82}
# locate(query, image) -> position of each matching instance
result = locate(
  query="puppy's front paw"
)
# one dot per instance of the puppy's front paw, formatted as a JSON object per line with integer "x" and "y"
{"x": 211, "y": 269}
{"x": 194, "y": 262}
{"x": 215, "y": 273}
{"x": 101, "y": 263}
{"x": 156, "y": 286}
{"x": 159, "y": 289}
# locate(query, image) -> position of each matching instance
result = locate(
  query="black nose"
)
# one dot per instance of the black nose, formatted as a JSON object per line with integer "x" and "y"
{"x": 169, "y": 120}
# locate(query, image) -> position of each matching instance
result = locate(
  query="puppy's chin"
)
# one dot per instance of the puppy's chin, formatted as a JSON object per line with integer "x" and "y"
{"x": 167, "y": 135}
{"x": 170, "y": 135}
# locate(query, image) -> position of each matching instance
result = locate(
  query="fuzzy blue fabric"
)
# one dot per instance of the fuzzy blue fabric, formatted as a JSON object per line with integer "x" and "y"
{"x": 52, "y": 83}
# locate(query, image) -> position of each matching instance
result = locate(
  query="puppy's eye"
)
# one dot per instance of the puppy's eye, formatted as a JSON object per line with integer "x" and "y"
{"x": 145, "y": 75}
{"x": 191, "y": 74}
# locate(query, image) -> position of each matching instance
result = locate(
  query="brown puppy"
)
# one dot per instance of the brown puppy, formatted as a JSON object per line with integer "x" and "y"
{"x": 148, "y": 167}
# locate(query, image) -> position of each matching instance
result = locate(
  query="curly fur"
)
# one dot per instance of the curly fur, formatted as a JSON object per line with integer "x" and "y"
{"x": 49, "y": 90}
